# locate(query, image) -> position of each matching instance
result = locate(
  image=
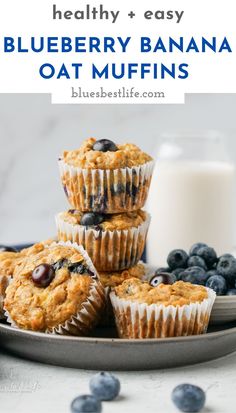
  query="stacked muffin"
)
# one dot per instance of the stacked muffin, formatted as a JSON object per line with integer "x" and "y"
{"x": 107, "y": 185}
{"x": 54, "y": 287}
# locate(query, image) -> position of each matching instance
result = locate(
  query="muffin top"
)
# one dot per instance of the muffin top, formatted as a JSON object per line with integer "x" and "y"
{"x": 10, "y": 261}
{"x": 119, "y": 156}
{"x": 104, "y": 222}
{"x": 49, "y": 288}
{"x": 177, "y": 294}
{"x": 112, "y": 279}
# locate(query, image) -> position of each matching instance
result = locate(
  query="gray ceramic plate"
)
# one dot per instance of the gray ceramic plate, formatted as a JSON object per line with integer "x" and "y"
{"x": 116, "y": 354}
{"x": 224, "y": 310}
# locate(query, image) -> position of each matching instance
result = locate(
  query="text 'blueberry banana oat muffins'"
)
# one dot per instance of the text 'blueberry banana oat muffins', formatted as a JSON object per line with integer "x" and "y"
{"x": 113, "y": 242}
{"x": 56, "y": 291}
{"x": 101, "y": 176}
{"x": 144, "y": 311}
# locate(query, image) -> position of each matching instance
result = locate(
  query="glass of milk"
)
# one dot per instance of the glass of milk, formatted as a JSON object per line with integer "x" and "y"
{"x": 191, "y": 196}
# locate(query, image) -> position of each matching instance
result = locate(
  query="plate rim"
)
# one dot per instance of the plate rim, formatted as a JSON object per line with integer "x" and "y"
{"x": 108, "y": 340}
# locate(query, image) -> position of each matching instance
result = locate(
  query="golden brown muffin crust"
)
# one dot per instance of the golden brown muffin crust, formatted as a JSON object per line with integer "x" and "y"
{"x": 85, "y": 157}
{"x": 113, "y": 279}
{"x": 111, "y": 222}
{"x": 10, "y": 261}
{"x": 35, "y": 308}
{"x": 179, "y": 293}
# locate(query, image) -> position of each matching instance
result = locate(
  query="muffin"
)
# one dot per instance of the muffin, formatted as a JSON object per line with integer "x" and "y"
{"x": 113, "y": 241}
{"x": 101, "y": 176}
{"x": 112, "y": 279}
{"x": 144, "y": 311}
{"x": 56, "y": 291}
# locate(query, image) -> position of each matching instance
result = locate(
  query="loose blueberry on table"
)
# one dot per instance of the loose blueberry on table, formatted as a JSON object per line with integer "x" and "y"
{"x": 104, "y": 386}
{"x": 188, "y": 398}
{"x": 105, "y": 145}
{"x": 86, "y": 404}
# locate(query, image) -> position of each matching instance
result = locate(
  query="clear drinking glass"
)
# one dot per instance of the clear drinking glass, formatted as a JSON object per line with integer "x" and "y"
{"x": 191, "y": 196}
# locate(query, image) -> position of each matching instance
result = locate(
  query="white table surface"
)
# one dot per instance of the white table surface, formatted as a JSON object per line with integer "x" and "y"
{"x": 29, "y": 387}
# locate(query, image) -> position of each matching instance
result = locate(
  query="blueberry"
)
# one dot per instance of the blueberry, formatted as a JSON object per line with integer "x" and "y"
{"x": 195, "y": 247}
{"x": 42, "y": 275}
{"x": 227, "y": 267}
{"x": 212, "y": 272}
{"x": 6, "y": 248}
{"x": 177, "y": 272}
{"x": 162, "y": 269}
{"x": 194, "y": 275}
{"x": 86, "y": 404}
{"x": 77, "y": 267}
{"x": 208, "y": 254}
{"x": 177, "y": 259}
{"x": 91, "y": 218}
{"x": 188, "y": 398}
{"x": 105, "y": 145}
{"x": 195, "y": 261}
{"x": 162, "y": 278}
{"x": 104, "y": 386}
{"x": 217, "y": 283}
{"x": 231, "y": 291}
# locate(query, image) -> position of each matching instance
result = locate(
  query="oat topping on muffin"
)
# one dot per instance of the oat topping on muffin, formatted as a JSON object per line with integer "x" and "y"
{"x": 10, "y": 261}
{"x": 107, "y": 222}
{"x": 36, "y": 305}
{"x": 126, "y": 155}
{"x": 115, "y": 278}
{"x": 177, "y": 294}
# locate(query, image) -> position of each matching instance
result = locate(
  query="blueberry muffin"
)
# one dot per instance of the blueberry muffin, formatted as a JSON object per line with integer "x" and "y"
{"x": 56, "y": 291}
{"x": 113, "y": 241}
{"x": 102, "y": 176}
{"x": 112, "y": 279}
{"x": 167, "y": 310}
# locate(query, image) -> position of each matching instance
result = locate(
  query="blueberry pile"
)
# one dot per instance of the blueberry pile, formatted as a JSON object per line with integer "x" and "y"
{"x": 104, "y": 387}
{"x": 202, "y": 266}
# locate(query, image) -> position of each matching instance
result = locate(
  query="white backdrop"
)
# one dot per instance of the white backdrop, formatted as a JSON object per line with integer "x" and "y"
{"x": 33, "y": 133}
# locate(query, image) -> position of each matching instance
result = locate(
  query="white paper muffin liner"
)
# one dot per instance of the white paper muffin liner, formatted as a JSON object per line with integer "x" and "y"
{"x": 109, "y": 250}
{"x": 139, "y": 320}
{"x": 108, "y": 191}
{"x": 89, "y": 313}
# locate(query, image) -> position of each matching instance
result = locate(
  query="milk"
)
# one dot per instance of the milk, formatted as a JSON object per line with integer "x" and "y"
{"x": 190, "y": 201}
